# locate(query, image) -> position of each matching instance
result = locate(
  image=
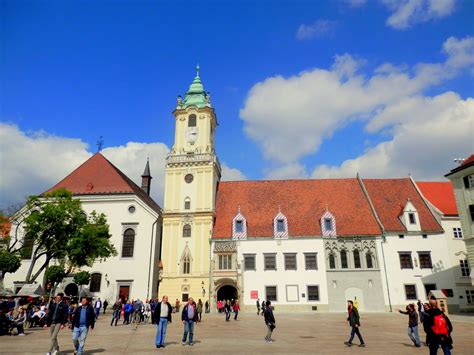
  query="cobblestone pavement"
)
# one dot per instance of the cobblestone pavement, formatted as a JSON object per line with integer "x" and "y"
{"x": 315, "y": 333}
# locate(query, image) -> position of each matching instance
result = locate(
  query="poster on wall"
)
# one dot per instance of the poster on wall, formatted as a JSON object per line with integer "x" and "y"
{"x": 253, "y": 295}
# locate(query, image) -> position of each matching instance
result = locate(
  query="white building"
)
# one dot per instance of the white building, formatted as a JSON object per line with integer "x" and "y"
{"x": 135, "y": 225}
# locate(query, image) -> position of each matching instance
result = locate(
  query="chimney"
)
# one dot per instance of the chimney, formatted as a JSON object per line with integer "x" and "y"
{"x": 146, "y": 178}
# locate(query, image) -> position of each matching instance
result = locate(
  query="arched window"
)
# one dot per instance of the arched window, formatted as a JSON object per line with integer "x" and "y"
{"x": 187, "y": 203}
{"x": 332, "y": 261}
{"x": 344, "y": 259}
{"x": 192, "y": 121}
{"x": 128, "y": 244}
{"x": 96, "y": 279}
{"x": 369, "y": 261}
{"x": 357, "y": 259}
{"x": 186, "y": 231}
{"x": 186, "y": 264}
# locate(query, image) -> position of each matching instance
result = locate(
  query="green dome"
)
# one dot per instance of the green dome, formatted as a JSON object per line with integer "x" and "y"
{"x": 196, "y": 94}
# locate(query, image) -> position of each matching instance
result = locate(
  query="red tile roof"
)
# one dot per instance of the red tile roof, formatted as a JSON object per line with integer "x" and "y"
{"x": 468, "y": 160}
{"x": 441, "y": 195}
{"x": 303, "y": 202}
{"x": 389, "y": 197}
{"x": 465, "y": 164}
{"x": 98, "y": 176}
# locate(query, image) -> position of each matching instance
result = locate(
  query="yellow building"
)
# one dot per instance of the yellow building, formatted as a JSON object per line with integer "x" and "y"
{"x": 192, "y": 174}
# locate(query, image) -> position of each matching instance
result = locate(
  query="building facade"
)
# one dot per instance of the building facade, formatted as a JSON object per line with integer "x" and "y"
{"x": 134, "y": 221}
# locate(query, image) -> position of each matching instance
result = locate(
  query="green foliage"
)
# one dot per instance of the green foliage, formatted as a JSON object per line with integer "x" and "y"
{"x": 9, "y": 262}
{"x": 61, "y": 230}
{"x": 92, "y": 243}
{"x": 55, "y": 274}
{"x": 82, "y": 278}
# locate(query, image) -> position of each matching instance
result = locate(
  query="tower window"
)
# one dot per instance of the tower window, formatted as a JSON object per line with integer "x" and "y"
{"x": 192, "y": 121}
{"x": 187, "y": 231}
{"x": 187, "y": 204}
{"x": 189, "y": 178}
{"x": 186, "y": 265}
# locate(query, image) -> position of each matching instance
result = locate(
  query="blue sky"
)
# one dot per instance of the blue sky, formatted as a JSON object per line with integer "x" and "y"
{"x": 82, "y": 69}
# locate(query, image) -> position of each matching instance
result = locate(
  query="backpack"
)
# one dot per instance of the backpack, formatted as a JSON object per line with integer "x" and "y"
{"x": 439, "y": 326}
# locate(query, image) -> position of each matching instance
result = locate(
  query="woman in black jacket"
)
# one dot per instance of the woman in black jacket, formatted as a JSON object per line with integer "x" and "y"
{"x": 354, "y": 322}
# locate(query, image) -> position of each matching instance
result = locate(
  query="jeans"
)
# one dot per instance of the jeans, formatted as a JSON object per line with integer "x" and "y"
{"x": 434, "y": 345}
{"x": 413, "y": 334}
{"x": 161, "y": 331}
{"x": 115, "y": 316}
{"x": 236, "y": 314}
{"x": 97, "y": 312}
{"x": 227, "y": 316}
{"x": 79, "y": 338}
{"x": 126, "y": 318}
{"x": 188, "y": 328}
{"x": 356, "y": 331}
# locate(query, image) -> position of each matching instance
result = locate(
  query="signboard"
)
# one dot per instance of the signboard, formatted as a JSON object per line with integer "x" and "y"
{"x": 253, "y": 295}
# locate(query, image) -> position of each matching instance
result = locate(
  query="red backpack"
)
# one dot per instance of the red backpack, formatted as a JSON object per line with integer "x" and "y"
{"x": 439, "y": 325}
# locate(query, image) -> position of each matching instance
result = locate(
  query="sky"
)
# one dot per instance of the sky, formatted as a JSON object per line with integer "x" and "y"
{"x": 302, "y": 89}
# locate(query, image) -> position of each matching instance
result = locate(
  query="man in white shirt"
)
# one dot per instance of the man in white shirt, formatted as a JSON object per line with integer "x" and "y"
{"x": 161, "y": 317}
{"x": 97, "y": 307}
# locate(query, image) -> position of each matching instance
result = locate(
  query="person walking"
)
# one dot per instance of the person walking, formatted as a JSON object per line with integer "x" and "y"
{"x": 56, "y": 320}
{"x": 263, "y": 307}
{"x": 189, "y": 317}
{"x": 127, "y": 310}
{"x": 438, "y": 328}
{"x": 421, "y": 310}
{"x": 258, "y": 307}
{"x": 106, "y": 304}
{"x": 176, "y": 306}
{"x": 97, "y": 307}
{"x": 236, "y": 308}
{"x": 207, "y": 306}
{"x": 83, "y": 318}
{"x": 116, "y": 310}
{"x": 199, "y": 310}
{"x": 227, "y": 309}
{"x": 162, "y": 316}
{"x": 412, "y": 324}
{"x": 269, "y": 321}
{"x": 354, "y": 322}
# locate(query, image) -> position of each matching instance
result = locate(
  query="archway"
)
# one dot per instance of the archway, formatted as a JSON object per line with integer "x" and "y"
{"x": 227, "y": 292}
{"x": 71, "y": 290}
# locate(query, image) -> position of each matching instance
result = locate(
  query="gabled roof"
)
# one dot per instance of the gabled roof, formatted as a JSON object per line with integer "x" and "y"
{"x": 389, "y": 197}
{"x": 441, "y": 195}
{"x": 303, "y": 202}
{"x": 98, "y": 176}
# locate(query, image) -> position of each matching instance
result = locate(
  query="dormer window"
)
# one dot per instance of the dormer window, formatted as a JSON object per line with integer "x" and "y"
{"x": 411, "y": 217}
{"x": 328, "y": 224}
{"x": 239, "y": 226}
{"x": 280, "y": 226}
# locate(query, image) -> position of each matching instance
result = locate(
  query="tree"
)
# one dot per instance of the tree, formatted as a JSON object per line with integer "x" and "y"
{"x": 9, "y": 262}
{"x": 61, "y": 230}
{"x": 54, "y": 274}
{"x": 82, "y": 278}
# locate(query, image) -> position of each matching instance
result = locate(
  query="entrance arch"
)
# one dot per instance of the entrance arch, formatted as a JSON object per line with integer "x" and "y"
{"x": 227, "y": 292}
{"x": 71, "y": 290}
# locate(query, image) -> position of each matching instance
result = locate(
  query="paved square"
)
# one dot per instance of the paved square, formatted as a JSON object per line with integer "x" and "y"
{"x": 316, "y": 333}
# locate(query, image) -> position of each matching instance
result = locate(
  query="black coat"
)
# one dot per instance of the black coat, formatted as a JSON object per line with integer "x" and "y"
{"x": 353, "y": 318}
{"x": 61, "y": 313}
{"x": 428, "y": 323}
{"x": 157, "y": 313}
{"x": 90, "y": 317}
{"x": 268, "y": 316}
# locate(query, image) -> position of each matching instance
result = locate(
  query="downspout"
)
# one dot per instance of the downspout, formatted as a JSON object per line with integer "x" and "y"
{"x": 210, "y": 275}
{"x": 151, "y": 252}
{"x": 384, "y": 238}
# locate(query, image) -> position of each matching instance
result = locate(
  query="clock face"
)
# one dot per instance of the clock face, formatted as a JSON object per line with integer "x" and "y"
{"x": 191, "y": 134}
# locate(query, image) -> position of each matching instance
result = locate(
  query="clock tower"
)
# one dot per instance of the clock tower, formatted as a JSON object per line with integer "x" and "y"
{"x": 192, "y": 174}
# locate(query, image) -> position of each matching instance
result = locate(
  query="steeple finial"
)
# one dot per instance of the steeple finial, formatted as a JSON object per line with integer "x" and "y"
{"x": 197, "y": 71}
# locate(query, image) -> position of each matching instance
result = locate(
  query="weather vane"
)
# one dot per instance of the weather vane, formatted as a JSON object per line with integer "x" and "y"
{"x": 100, "y": 143}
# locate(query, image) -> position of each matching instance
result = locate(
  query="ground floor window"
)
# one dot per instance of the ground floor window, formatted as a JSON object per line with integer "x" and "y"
{"x": 185, "y": 297}
{"x": 271, "y": 293}
{"x": 470, "y": 296}
{"x": 313, "y": 293}
{"x": 410, "y": 292}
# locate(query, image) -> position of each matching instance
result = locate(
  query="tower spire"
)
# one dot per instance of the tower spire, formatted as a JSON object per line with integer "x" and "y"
{"x": 146, "y": 178}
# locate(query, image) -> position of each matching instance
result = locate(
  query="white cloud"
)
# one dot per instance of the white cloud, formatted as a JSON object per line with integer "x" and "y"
{"x": 316, "y": 29}
{"x": 287, "y": 171}
{"x": 30, "y": 163}
{"x": 231, "y": 174}
{"x": 290, "y": 117}
{"x": 406, "y": 13}
{"x": 427, "y": 134}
